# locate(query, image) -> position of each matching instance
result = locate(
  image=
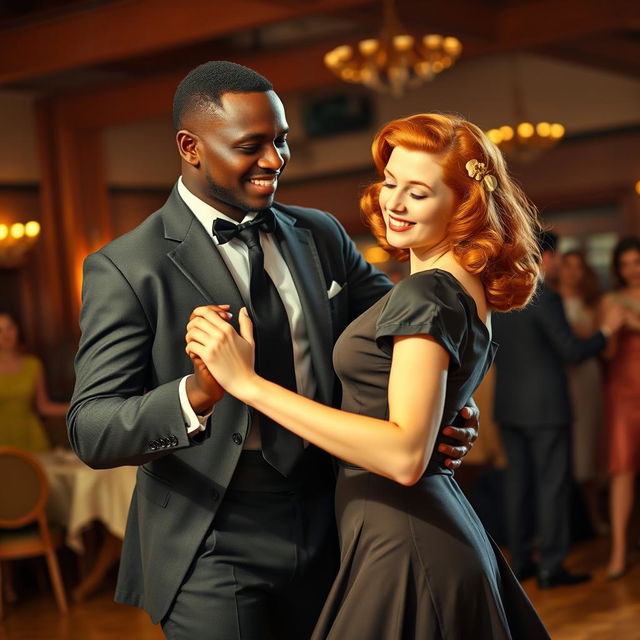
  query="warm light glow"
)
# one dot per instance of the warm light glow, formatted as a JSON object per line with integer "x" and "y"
{"x": 543, "y": 129}
{"x": 403, "y": 42}
{"x": 15, "y": 241}
{"x": 368, "y": 47}
{"x": 17, "y": 230}
{"x": 638, "y": 187}
{"x": 395, "y": 60}
{"x": 506, "y": 132}
{"x": 525, "y": 130}
{"x": 433, "y": 41}
{"x": 32, "y": 229}
{"x": 375, "y": 254}
{"x": 495, "y": 136}
{"x": 557, "y": 131}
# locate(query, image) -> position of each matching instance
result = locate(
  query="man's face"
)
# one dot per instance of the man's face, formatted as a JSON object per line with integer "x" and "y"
{"x": 237, "y": 152}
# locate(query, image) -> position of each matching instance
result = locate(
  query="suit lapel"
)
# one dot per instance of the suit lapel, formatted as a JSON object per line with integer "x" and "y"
{"x": 301, "y": 255}
{"x": 197, "y": 257}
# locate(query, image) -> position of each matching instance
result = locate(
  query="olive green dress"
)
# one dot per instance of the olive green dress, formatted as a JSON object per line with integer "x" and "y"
{"x": 20, "y": 425}
{"x": 416, "y": 563}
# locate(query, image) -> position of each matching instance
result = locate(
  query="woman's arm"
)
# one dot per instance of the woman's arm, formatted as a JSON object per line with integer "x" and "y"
{"x": 398, "y": 448}
{"x": 44, "y": 405}
{"x": 612, "y": 342}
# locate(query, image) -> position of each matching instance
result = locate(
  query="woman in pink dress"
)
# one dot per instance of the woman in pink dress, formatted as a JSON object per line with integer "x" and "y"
{"x": 623, "y": 399}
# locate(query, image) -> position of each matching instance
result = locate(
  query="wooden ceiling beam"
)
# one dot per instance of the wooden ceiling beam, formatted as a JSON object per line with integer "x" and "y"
{"x": 130, "y": 28}
{"x": 152, "y": 96}
{"x": 548, "y": 22}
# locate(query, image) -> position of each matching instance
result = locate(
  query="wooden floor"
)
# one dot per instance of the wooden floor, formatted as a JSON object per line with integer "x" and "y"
{"x": 598, "y": 610}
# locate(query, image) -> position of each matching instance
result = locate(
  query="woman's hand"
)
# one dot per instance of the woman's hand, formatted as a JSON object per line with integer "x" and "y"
{"x": 228, "y": 356}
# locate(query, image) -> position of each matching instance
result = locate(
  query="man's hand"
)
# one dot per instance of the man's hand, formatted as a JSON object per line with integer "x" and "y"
{"x": 466, "y": 436}
{"x": 203, "y": 390}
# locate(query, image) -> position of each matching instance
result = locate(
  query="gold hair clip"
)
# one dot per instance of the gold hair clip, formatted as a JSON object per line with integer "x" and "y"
{"x": 478, "y": 171}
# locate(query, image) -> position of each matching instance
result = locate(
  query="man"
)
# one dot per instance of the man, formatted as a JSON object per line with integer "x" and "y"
{"x": 231, "y": 532}
{"x": 533, "y": 409}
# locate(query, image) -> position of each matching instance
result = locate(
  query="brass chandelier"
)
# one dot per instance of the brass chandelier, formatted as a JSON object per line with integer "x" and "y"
{"x": 396, "y": 60}
{"x": 524, "y": 139}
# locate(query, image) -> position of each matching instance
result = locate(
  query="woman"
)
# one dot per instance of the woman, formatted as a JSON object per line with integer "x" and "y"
{"x": 415, "y": 560}
{"x": 23, "y": 394}
{"x": 623, "y": 399}
{"x": 578, "y": 286}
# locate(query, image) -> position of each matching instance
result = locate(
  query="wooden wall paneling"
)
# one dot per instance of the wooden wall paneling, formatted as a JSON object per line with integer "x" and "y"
{"x": 74, "y": 196}
{"x": 53, "y": 291}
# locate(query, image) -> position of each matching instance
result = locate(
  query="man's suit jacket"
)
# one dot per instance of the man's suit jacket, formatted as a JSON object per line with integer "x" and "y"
{"x": 534, "y": 345}
{"x": 138, "y": 293}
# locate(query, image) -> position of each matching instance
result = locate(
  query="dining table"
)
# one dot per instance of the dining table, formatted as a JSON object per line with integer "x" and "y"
{"x": 80, "y": 497}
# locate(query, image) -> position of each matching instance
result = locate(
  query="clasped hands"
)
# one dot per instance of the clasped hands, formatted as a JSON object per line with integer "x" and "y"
{"x": 223, "y": 359}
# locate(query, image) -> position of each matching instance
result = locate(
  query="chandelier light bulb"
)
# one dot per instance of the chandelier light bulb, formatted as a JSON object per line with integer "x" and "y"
{"x": 17, "y": 230}
{"x": 506, "y": 132}
{"x": 32, "y": 229}
{"x": 525, "y": 130}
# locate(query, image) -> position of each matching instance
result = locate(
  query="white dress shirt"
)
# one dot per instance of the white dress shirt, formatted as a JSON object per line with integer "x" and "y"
{"x": 236, "y": 256}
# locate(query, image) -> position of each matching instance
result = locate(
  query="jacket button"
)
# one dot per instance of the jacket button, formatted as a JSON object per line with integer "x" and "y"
{"x": 173, "y": 441}
{"x": 237, "y": 438}
{"x": 153, "y": 445}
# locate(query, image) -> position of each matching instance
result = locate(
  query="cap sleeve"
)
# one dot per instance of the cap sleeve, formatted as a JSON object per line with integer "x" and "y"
{"x": 423, "y": 304}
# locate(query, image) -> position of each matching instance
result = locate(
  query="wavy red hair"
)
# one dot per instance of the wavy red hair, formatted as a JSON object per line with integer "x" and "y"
{"x": 492, "y": 234}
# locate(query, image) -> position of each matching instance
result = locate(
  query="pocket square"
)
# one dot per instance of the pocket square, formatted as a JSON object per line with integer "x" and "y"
{"x": 334, "y": 290}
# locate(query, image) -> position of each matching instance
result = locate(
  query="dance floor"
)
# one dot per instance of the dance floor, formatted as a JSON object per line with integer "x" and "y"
{"x": 598, "y": 610}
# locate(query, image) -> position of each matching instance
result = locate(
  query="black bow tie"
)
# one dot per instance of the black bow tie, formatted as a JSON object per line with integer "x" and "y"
{"x": 224, "y": 230}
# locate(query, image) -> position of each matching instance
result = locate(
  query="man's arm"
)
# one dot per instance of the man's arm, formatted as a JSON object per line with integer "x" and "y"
{"x": 553, "y": 322}
{"x": 113, "y": 418}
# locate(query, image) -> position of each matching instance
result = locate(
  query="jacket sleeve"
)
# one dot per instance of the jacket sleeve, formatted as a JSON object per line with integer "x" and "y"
{"x": 553, "y": 322}
{"x": 113, "y": 419}
{"x": 366, "y": 284}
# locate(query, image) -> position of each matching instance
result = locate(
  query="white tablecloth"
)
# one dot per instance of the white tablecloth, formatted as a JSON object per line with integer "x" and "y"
{"x": 80, "y": 495}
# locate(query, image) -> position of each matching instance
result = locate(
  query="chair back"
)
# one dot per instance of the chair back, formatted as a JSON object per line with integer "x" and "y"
{"x": 23, "y": 488}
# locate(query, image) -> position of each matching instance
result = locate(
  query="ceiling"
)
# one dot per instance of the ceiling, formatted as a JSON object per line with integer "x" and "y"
{"x": 61, "y": 45}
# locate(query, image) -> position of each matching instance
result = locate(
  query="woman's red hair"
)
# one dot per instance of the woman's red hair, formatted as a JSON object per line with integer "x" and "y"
{"x": 492, "y": 234}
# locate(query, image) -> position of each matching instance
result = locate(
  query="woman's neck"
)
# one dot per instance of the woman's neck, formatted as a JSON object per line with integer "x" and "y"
{"x": 438, "y": 256}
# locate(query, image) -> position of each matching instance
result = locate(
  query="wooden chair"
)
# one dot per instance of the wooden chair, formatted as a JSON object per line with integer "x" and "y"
{"x": 24, "y": 531}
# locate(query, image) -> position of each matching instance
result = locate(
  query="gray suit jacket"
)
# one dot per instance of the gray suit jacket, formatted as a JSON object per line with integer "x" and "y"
{"x": 138, "y": 293}
{"x": 534, "y": 345}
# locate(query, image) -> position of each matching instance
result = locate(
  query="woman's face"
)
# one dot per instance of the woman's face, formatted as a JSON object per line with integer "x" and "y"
{"x": 8, "y": 333}
{"x": 571, "y": 271}
{"x": 629, "y": 268}
{"x": 415, "y": 202}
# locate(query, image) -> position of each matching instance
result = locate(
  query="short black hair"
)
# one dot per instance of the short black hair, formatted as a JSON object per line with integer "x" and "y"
{"x": 547, "y": 241}
{"x": 205, "y": 85}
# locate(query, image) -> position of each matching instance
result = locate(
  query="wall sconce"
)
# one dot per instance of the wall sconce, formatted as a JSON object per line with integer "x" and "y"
{"x": 15, "y": 241}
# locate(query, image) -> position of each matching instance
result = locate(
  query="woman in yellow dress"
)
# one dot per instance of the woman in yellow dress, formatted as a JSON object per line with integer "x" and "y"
{"x": 23, "y": 394}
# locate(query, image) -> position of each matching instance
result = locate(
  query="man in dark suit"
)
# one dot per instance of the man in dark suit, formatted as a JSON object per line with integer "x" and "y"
{"x": 533, "y": 409}
{"x": 231, "y": 532}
